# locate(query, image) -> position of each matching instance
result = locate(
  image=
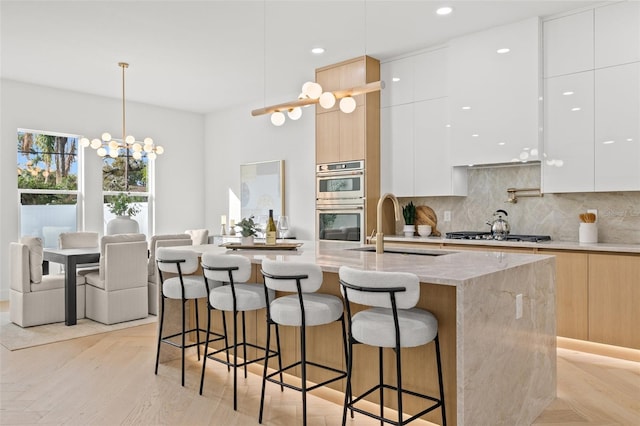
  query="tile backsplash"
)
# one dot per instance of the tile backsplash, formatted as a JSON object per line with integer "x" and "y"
{"x": 552, "y": 214}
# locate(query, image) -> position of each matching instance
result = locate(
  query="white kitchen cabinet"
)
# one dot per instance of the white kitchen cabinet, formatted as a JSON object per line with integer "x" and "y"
{"x": 617, "y": 34}
{"x": 569, "y": 155}
{"x": 414, "y": 151}
{"x": 494, "y": 97}
{"x": 396, "y": 150}
{"x": 568, "y": 44}
{"x": 617, "y": 128}
{"x": 432, "y": 171}
{"x": 398, "y": 79}
{"x": 430, "y": 75}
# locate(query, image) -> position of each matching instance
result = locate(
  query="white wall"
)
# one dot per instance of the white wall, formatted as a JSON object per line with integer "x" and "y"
{"x": 179, "y": 172}
{"x": 234, "y": 137}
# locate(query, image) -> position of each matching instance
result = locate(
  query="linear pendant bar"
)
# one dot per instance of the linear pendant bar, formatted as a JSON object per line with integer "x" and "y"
{"x": 354, "y": 91}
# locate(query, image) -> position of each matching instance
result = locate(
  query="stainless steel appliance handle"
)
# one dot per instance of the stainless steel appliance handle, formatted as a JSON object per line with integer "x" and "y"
{"x": 338, "y": 208}
{"x": 333, "y": 173}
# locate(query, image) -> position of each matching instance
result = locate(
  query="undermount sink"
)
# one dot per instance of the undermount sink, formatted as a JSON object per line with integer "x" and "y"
{"x": 418, "y": 252}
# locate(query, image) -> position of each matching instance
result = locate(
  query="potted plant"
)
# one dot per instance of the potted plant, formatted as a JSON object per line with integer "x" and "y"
{"x": 409, "y": 213}
{"x": 123, "y": 207}
{"x": 248, "y": 230}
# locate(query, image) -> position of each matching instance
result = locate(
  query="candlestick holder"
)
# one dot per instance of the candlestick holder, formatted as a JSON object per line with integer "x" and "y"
{"x": 223, "y": 229}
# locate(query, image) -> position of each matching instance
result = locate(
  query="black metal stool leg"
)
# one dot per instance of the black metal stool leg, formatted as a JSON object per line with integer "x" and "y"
{"x": 160, "y": 332}
{"x": 279, "y": 357}
{"x": 264, "y": 371}
{"x": 206, "y": 348}
{"x": 440, "y": 382}
{"x": 226, "y": 340}
{"x": 399, "y": 383}
{"x": 244, "y": 347}
{"x": 195, "y": 302}
{"x": 381, "y": 375}
{"x": 303, "y": 365}
{"x": 183, "y": 339}
{"x": 235, "y": 361}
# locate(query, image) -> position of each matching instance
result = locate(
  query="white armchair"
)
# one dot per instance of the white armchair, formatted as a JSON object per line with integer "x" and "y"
{"x": 118, "y": 292}
{"x": 35, "y": 298}
{"x": 167, "y": 240}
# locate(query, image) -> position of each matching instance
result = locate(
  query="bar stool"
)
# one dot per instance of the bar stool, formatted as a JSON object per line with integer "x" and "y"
{"x": 303, "y": 309}
{"x": 182, "y": 287}
{"x": 393, "y": 322}
{"x": 237, "y": 296}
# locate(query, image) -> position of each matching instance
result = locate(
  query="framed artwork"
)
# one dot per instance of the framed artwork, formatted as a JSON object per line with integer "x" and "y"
{"x": 261, "y": 189}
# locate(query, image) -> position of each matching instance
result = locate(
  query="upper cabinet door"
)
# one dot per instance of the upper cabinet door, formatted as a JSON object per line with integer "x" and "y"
{"x": 617, "y": 34}
{"x": 569, "y": 162}
{"x": 568, "y": 44}
{"x": 494, "y": 95}
{"x": 617, "y": 128}
{"x": 430, "y": 75}
{"x": 398, "y": 79}
{"x": 397, "y": 150}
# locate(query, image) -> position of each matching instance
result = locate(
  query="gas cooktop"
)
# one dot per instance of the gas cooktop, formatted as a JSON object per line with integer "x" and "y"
{"x": 480, "y": 235}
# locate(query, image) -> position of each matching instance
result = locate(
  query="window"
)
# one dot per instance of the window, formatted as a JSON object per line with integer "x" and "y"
{"x": 126, "y": 174}
{"x": 47, "y": 167}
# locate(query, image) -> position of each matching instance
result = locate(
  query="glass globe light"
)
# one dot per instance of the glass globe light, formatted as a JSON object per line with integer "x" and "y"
{"x": 34, "y": 173}
{"x": 136, "y": 147}
{"x": 101, "y": 152}
{"x": 314, "y": 90}
{"x": 295, "y": 113}
{"x": 96, "y": 143}
{"x": 130, "y": 139}
{"x": 148, "y": 141}
{"x": 106, "y": 137}
{"x": 147, "y": 148}
{"x": 277, "y": 118}
{"x": 84, "y": 142}
{"x": 113, "y": 145}
{"x": 327, "y": 100}
{"x": 113, "y": 153}
{"x": 347, "y": 105}
{"x": 136, "y": 155}
{"x": 152, "y": 156}
{"x": 159, "y": 150}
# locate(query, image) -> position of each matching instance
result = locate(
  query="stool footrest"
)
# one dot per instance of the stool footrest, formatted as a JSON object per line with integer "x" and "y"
{"x": 340, "y": 375}
{"x": 354, "y": 401}
{"x": 165, "y": 339}
{"x": 211, "y": 355}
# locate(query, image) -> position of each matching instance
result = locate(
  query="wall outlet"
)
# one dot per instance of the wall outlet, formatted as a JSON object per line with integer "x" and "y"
{"x": 447, "y": 215}
{"x": 594, "y": 211}
{"x": 519, "y": 306}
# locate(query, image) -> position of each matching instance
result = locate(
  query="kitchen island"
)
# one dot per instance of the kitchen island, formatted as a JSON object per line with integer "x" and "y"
{"x": 496, "y": 315}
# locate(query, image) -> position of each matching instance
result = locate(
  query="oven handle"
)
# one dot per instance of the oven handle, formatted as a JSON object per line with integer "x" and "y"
{"x": 338, "y": 207}
{"x": 333, "y": 173}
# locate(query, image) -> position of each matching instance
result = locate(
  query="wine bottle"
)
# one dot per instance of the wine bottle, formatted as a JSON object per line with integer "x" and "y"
{"x": 271, "y": 230}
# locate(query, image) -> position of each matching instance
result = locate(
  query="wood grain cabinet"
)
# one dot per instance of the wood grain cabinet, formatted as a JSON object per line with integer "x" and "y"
{"x": 354, "y": 136}
{"x": 614, "y": 299}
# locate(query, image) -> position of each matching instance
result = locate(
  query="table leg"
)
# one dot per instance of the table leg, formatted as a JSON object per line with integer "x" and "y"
{"x": 70, "y": 314}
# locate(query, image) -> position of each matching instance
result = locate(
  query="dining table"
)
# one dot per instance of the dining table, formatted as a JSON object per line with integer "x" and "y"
{"x": 71, "y": 258}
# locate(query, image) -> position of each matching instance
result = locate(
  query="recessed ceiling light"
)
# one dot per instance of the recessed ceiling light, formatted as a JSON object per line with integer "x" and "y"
{"x": 395, "y": 79}
{"x": 567, "y": 93}
{"x": 503, "y": 50}
{"x": 444, "y": 10}
{"x": 475, "y": 135}
{"x": 447, "y": 125}
{"x": 466, "y": 107}
{"x": 576, "y": 109}
{"x": 317, "y": 50}
{"x": 501, "y": 143}
{"x": 608, "y": 142}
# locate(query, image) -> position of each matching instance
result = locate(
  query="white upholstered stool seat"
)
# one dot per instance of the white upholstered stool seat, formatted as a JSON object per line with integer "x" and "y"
{"x": 318, "y": 309}
{"x": 194, "y": 288}
{"x": 392, "y": 321}
{"x": 249, "y": 297}
{"x": 233, "y": 294}
{"x": 375, "y": 327}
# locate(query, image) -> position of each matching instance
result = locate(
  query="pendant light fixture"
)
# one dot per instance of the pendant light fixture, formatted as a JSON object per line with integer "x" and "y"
{"x": 127, "y": 146}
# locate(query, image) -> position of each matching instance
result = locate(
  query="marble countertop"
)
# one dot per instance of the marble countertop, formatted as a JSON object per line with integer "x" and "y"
{"x": 438, "y": 266}
{"x": 548, "y": 245}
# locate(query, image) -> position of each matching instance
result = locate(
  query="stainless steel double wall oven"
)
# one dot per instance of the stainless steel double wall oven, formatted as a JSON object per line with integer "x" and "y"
{"x": 340, "y": 201}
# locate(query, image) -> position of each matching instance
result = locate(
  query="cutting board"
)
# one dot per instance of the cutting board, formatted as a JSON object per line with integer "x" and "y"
{"x": 426, "y": 216}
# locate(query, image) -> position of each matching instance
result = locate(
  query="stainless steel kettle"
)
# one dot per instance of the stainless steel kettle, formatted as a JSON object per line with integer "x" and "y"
{"x": 499, "y": 227}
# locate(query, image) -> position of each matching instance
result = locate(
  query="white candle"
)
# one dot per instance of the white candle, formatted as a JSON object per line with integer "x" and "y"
{"x": 223, "y": 219}
{"x": 232, "y": 222}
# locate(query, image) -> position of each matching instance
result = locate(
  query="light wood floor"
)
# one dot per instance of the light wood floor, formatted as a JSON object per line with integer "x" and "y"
{"x": 108, "y": 380}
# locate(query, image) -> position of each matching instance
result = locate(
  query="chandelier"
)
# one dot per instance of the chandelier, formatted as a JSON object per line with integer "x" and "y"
{"x": 127, "y": 146}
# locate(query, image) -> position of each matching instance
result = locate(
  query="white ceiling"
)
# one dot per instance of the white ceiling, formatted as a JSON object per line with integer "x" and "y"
{"x": 205, "y": 55}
